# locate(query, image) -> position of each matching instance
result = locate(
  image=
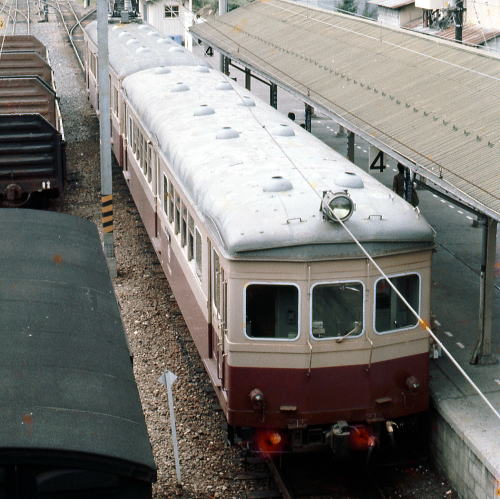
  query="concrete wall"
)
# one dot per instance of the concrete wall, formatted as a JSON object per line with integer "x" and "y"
{"x": 453, "y": 456}
{"x": 398, "y": 17}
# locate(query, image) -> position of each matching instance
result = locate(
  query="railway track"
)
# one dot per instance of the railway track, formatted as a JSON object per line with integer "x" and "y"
{"x": 15, "y": 17}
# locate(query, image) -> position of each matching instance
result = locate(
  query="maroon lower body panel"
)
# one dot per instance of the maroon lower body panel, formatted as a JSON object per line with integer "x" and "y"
{"x": 294, "y": 398}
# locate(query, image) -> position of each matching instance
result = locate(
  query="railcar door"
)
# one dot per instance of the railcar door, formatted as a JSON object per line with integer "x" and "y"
{"x": 219, "y": 315}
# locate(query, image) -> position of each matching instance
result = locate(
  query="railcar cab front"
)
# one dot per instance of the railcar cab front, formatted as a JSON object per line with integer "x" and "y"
{"x": 303, "y": 346}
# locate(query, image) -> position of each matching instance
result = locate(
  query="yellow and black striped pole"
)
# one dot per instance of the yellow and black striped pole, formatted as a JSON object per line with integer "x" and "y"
{"x": 107, "y": 213}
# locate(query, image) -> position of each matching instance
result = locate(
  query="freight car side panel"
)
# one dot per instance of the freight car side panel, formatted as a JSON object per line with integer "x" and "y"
{"x": 32, "y": 154}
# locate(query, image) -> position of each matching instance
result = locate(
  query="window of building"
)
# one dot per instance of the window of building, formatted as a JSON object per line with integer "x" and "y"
{"x": 391, "y": 313}
{"x": 171, "y": 11}
{"x": 198, "y": 253}
{"x": 272, "y": 311}
{"x": 337, "y": 310}
{"x": 216, "y": 280}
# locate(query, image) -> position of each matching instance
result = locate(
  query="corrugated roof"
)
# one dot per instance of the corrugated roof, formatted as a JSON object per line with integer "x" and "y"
{"x": 429, "y": 100}
{"x": 65, "y": 373}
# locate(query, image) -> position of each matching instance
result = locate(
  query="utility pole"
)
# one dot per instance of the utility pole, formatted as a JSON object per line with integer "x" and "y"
{"x": 105, "y": 136}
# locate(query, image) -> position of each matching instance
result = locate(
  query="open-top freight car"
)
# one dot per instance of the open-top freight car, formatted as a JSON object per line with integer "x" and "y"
{"x": 71, "y": 422}
{"x": 304, "y": 341}
{"x": 32, "y": 148}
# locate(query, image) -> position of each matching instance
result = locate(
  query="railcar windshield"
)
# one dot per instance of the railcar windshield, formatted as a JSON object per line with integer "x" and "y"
{"x": 337, "y": 310}
{"x": 272, "y": 311}
{"x": 391, "y": 313}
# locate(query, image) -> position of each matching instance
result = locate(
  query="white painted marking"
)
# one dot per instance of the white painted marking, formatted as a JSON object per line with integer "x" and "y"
{"x": 470, "y": 218}
{"x": 460, "y": 344}
{"x": 435, "y": 195}
{"x": 364, "y": 150}
{"x": 497, "y": 381}
{"x": 447, "y": 333}
{"x": 451, "y": 206}
{"x": 394, "y": 170}
{"x": 460, "y": 211}
{"x": 442, "y": 201}
{"x": 437, "y": 323}
{"x": 358, "y": 147}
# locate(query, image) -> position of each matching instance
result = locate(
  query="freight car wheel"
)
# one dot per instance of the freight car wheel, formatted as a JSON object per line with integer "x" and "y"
{"x": 16, "y": 202}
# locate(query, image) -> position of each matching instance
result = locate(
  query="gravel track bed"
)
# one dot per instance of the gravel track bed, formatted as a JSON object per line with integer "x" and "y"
{"x": 157, "y": 334}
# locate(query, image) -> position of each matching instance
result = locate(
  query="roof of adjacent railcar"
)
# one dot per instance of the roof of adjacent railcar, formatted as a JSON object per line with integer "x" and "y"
{"x": 65, "y": 373}
{"x": 136, "y": 46}
{"x": 226, "y": 179}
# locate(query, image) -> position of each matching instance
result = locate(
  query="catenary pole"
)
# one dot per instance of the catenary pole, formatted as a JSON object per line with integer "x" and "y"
{"x": 104, "y": 135}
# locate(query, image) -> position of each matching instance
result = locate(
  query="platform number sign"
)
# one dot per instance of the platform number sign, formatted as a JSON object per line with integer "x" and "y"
{"x": 376, "y": 159}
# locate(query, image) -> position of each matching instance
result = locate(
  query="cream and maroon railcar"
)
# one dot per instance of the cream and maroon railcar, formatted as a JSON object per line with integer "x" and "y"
{"x": 302, "y": 338}
{"x": 132, "y": 47}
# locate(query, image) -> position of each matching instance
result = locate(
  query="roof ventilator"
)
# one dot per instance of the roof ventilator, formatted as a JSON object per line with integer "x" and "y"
{"x": 154, "y": 33}
{"x": 350, "y": 180}
{"x": 247, "y": 101}
{"x": 278, "y": 184}
{"x": 180, "y": 87}
{"x": 162, "y": 70}
{"x": 165, "y": 41}
{"x": 337, "y": 206}
{"x": 227, "y": 133}
{"x": 283, "y": 131}
{"x": 203, "y": 110}
{"x": 132, "y": 41}
{"x": 142, "y": 50}
{"x": 123, "y": 33}
{"x": 201, "y": 69}
{"x": 176, "y": 49}
{"x": 224, "y": 85}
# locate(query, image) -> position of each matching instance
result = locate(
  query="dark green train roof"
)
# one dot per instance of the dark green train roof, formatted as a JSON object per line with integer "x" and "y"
{"x": 66, "y": 380}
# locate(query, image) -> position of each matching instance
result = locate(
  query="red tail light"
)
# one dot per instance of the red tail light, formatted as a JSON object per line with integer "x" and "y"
{"x": 361, "y": 438}
{"x": 269, "y": 441}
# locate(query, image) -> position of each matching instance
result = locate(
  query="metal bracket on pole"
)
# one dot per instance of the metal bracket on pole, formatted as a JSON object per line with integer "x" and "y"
{"x": 248, "y": 79}
{"x": 168, "y": 379}
{"x": 308, "y": 116}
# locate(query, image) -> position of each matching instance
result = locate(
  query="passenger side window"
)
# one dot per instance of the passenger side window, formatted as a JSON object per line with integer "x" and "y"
{"x": 272, "y": 311}
{"x": 216, "y": 280}
{"x": 171, "y": 197}
{"x": 198, "y": 254}
{"x": 165, "y": 194}
{"x": 337, "y": 310}
{"x": 190, "y": 238}
{"x": 391, "y": 313}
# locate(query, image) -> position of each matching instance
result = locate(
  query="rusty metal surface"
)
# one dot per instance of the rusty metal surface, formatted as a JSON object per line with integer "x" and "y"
{"x": 27, "y": 96}
{"x": 11, "y": 43}
{"x": 433, "y": 102}
{"x": 25, "y": 64}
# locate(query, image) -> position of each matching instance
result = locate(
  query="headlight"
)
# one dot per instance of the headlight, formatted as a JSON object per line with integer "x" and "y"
{"x": 337, "y": 206}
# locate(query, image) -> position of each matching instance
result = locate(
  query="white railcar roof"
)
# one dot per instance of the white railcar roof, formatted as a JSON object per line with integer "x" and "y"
{"x": 230, "y": 181}
{"x": 134, "y": 47}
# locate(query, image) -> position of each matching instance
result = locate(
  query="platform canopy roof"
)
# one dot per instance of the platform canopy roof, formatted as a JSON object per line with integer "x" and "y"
{"x": 428, "y": 102}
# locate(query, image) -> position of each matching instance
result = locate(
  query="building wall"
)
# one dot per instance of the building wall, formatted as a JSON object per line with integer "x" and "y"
{"x": 153, "y": 12}
{"x": 398, "y": 17}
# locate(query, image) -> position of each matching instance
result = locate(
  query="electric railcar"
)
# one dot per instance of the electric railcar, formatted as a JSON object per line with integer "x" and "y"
{"x": 304, "y": 342}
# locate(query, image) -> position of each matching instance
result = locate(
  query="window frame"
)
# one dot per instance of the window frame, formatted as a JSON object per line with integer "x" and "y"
{"x": 273, "y": 283}
{"x": 374, "y": 318}
{"x": 363, "y": 314}
{"x": 173, "y": 11}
